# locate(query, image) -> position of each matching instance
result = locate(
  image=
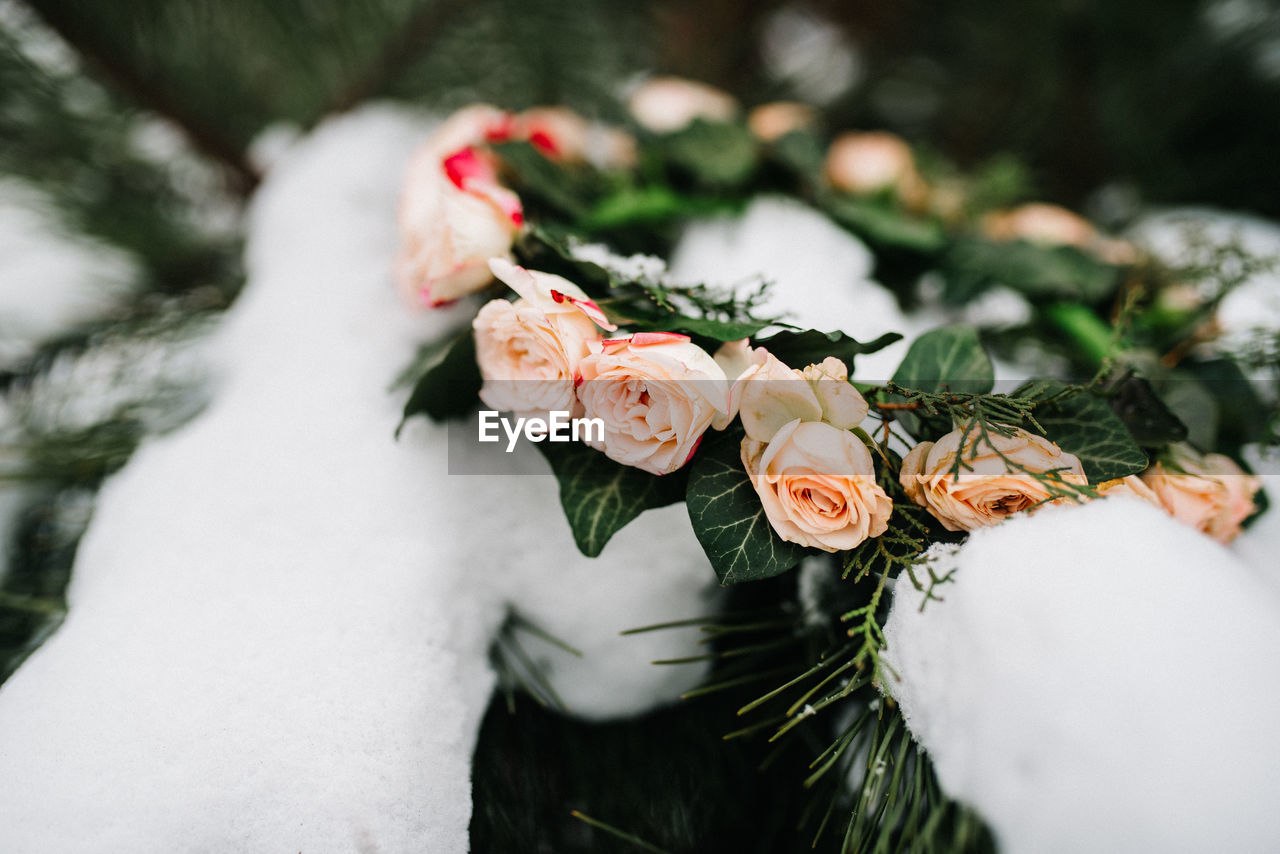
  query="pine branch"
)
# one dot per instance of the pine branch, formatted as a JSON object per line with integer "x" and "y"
{"x": 423, "y": 30}
{"x": 143, "y": 90}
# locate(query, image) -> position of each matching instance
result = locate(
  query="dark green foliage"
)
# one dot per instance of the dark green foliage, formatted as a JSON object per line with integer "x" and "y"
{"x": 728, "y": 518}
{"x": 1082, "y": 423}
{"x": 449, "y": 387}
{"x": 947, "y": 359}
{"x": 600, "y": 496}
{"x": 1038, "y": 272}
{"x": 799, "y": 349}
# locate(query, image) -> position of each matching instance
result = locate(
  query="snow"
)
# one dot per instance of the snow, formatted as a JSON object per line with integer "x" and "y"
{"x": 279, "y": 618}
{"x": 820, "y": 274}
{"x": 1098, "y": 678}
{"x": 49, "y": 280}
{"x": 1187, "y": 236}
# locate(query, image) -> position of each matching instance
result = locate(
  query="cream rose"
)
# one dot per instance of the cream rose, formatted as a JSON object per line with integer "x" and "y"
{"x": 669, "y": 104}
{"x": 988, "y": 488}
{"x": 1037, "y": 222}
{"x": 1208, "y": 492}
{"x": 656, "y": 393}
{"x": 817, "y": 485}
{"x": 768, "y": 394}
{"x": 529, "y": 350}
{"x": 771, "y": 122}
{"x": 873, "y": 162}
{"x": 454, "y": 215}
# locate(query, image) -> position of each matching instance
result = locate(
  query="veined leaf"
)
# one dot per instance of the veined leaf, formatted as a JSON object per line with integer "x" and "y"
{"x": 808, "y": 347}
{"x": 715, "y": 153}
{"x": 600, "y": 496}
{"x": 950, "y": 358}
{"x": 450, "y": 387}
{"x": 728, "y": 518}
{"x": 1083, "y": 424}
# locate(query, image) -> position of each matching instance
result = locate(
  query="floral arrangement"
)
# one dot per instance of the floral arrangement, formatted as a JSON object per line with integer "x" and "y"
{"x": 779, "y": 449}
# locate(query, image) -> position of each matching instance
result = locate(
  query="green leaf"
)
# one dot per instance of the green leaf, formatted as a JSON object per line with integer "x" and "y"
{"x": 715, "y": 153}
{"x": 800, "y": 150}
{"x": 728, "y": 518}
{"x": 647, "y": 318}
{"x": 947, "y": 359}
{"x": 1147, "y": 418}
{"x": 1050, "y": 272}
{"x": 1083, "y": 424}
{"x": 882, "y": 222}
{"x": 801, "y": 348}
{"x": 450, "y": 387}
{"x": 600, "y": 496}
{"x": 537, "y": 178}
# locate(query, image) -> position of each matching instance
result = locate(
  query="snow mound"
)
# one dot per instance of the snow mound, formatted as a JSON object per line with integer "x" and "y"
{"x": 280, "y": 616}
{"x": 49, "y": 281}
{"x": 820, "y": 274}
{"x": 1098, "y": 678}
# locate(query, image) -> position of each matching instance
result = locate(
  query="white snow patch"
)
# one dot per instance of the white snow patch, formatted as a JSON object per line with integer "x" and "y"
{"x": 1184, "y": 236}
{"x": 50, "y": 281}
{"x": 820, "y": 274}
{"x": 280, "y": 616}
{"x": 1099, "y": 678}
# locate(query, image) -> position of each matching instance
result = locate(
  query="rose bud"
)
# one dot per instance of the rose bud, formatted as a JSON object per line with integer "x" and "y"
{"x": 770, "y": 122}
{"x": 529, "y": 350}
{"x": 817, "y": 485}
{"x": 1209, "y": 492}
{"x": 769, "y": 394}
{"x": 669, "y": 104}
{"x": 656, "y": 393}
{"x": 875, "y": 162}
{"x": 454, "y": 215}
{"x": 988, "y": 489}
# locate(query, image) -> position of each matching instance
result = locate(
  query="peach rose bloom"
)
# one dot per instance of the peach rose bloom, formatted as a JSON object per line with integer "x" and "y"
{"x": 987, "y": 491}
{"x": 872, "y": 162}
{"x": 817, "y": 485}
{"x": 1041, "y": 223}
{"x": 656, "y": 393}
{"x": 1132, "y": 486}
{"x": 454, "y": 215}
{"x": 669, "y": 104}
{"x": 771, "y": 122}
{"x": 529, "y": 350}
{"x": 1208, "y": 492}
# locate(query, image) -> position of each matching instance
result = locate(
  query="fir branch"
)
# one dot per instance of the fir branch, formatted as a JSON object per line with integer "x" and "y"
{"x": 147, "y": 93}
{"x": 416, "y": 37}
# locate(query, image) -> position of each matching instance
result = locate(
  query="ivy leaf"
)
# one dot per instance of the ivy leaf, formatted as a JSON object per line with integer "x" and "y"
{"x": 600, "y": 496}
{"x": 808, "y": 347}
{"x": 883, "y": 223}
{"x": 1148, "y": 419}
{"x": 800, "y": 150}
{"x": 1083, "y": 424}
{"x": 947, "y": 359}
{"x": 450, "y": 387}
{"x": 1050, "y": 272}
{"x": 537, "y": 178}
{"x": 715, "y": 153}
{"x": 728, "y": 518}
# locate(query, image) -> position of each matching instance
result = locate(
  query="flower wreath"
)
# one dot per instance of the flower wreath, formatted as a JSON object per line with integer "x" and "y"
{"x": 756, "y": 425}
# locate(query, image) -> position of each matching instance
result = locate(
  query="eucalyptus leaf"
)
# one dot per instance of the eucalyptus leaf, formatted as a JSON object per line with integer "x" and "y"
{"x": 450, "y": 387}
{"x": 600, "y": 496}
{"x": 1084, "y": 424}
{"x": 728, "y": 518}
